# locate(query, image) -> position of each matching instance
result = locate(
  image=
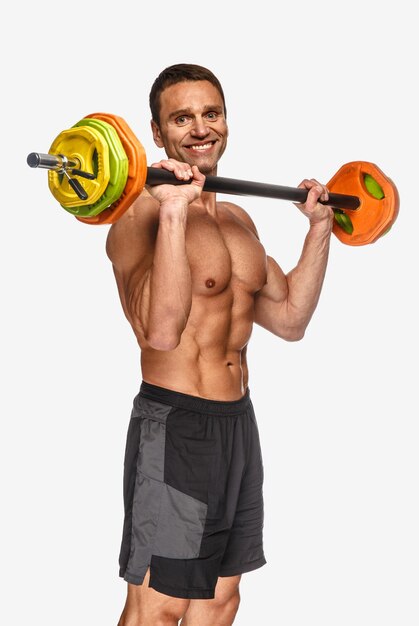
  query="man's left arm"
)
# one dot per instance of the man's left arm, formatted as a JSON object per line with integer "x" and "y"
{"x": 286, "y": 303}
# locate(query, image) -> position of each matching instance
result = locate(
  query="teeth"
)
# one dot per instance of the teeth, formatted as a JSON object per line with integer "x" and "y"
{"x": 204, "y": 147}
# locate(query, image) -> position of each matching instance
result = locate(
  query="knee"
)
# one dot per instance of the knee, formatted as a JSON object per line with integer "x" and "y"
{"x": 162, "y": 617}
{"x": 165, "y": 619}
{"x": 149, "y": 613}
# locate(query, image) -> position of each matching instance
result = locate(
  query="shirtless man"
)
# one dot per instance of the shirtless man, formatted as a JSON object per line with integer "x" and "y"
{"x": 193, "y": 277}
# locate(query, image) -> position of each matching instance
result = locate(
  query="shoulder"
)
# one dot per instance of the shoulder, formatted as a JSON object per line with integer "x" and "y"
{"x": 242, "y": 215}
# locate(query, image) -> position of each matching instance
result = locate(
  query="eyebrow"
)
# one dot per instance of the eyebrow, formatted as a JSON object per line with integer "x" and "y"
{"x": 188, "y": 111}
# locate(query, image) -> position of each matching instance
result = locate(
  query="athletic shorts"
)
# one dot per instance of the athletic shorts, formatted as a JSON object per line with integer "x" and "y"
{"x": 193, "y": 499}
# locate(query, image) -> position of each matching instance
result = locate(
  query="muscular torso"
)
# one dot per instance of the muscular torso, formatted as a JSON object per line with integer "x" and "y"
{"x": 228, "y": 267}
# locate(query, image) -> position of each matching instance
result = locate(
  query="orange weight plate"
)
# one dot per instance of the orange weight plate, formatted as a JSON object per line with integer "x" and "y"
{"x": 375, "y": 215}
{"x": 137, "y": 171}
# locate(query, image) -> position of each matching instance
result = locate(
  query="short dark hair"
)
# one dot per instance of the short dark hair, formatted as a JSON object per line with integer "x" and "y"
{"x": 179, "y": 73}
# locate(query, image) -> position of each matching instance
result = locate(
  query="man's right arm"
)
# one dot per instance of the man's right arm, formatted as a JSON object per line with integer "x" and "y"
{"x": 152, "y": 268}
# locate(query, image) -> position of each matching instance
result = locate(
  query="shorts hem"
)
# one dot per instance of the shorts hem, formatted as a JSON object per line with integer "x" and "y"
{"x": 242, "y": 568}
{"x": 187, "y": 594}
{"x": 133, "y": 580}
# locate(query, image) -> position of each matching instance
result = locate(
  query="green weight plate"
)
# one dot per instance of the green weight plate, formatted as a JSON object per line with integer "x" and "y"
{"x": 118, "y": 162}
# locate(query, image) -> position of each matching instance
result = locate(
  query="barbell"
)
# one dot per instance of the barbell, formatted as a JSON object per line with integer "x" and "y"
{"x": 98, "y": 168}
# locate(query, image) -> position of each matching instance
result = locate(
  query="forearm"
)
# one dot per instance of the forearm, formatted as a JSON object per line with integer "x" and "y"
{"x": 286, "y": 303}
{"x": 305, "y": 281}
{"x": 170, "y": 282}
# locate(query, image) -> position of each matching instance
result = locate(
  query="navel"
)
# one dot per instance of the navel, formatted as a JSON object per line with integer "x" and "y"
{"x": 210, "y": 283}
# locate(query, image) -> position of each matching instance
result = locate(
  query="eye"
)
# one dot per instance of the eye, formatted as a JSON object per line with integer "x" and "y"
{"x": 182, "y": 119}
{"x": 212, "y": 115}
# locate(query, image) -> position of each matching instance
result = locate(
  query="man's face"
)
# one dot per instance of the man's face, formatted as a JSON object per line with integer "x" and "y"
{"x": 192, "y": 127}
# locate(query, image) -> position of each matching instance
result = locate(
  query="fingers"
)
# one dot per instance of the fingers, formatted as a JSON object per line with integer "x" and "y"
{"x": 182, "y": 171}
{"x": 172, "y": 191}
{"x": 312, "y": 208}
{"x": 199, "y": 178}
{"x": 316, "y": 190}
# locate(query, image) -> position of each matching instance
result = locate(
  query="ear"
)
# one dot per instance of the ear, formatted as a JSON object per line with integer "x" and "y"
{"x": 156, "y": 134}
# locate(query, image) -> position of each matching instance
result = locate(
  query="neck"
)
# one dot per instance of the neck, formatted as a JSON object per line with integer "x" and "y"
{"x": 208, "y": 199}
{"x": 207, "y": 203}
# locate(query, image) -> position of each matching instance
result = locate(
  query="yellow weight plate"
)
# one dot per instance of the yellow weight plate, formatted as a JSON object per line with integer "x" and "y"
{"x": 90, "y": 148}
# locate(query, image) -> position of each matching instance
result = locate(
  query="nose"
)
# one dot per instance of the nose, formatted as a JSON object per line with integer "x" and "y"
{"x": 199, "y": 129}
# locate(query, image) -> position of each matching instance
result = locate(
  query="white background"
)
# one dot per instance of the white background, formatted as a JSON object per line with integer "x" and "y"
{"x": 309, "y": 86}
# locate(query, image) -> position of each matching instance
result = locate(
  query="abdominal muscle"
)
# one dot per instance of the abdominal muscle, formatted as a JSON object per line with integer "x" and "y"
{"x": 210, "y": 360}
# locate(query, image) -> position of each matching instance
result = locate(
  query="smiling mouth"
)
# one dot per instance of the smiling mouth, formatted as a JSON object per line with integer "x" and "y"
{"x": 198, "y": 147}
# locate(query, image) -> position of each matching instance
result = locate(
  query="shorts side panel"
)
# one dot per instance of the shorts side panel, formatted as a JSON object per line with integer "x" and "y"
{"x": 145, "y": 516}
{"x": 180, "y": 525}
{"x": 130, "y": 464}
{"x": 143, "y": 472}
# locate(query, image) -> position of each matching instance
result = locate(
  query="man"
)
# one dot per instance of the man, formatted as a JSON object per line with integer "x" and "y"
{"x": 193, "y": 278}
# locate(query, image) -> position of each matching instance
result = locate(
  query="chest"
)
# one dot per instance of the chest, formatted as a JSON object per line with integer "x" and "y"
{"x": 223, "y": 250}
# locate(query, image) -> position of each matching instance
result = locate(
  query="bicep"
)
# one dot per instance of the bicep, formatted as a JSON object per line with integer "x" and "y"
{"x": 130, "y": 247}
{"x": 271, "y": 300}
{"x": 134, "y": 293}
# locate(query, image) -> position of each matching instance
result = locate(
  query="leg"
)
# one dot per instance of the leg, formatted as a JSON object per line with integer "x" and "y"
{"x": 146, "y": 607}
{"x": 220, "y": 611}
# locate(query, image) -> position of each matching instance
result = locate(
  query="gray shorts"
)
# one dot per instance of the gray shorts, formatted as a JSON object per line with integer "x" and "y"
{"x": 193, "y": 498}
